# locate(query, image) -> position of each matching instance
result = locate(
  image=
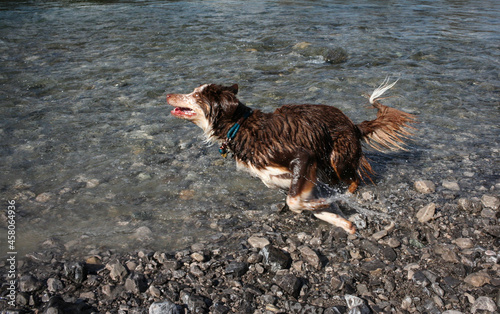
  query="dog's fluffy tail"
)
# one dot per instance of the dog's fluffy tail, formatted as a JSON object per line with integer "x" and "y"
{"x": 391, "y": 127}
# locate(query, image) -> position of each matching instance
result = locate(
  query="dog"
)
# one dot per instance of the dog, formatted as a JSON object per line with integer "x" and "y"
{"x": 296, "y": 147}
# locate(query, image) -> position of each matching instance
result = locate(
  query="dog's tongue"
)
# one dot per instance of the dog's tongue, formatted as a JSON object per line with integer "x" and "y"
{"x": 179, "y": 111}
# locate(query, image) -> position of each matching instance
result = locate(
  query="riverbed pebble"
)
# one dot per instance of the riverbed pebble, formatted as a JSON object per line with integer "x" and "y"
{"x": 451, "y": 185}
{"x": 44, "y": 197}
{"x": 258, "y": 242}
{"x": 426, "y": 213}
{"x": 478, "y": 279}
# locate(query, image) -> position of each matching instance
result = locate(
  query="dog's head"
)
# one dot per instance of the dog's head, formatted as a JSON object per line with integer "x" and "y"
{"x": 206, "y": 105}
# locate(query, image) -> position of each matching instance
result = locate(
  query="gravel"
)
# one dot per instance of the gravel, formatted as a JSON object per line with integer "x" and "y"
{"x": 438, "y": 255}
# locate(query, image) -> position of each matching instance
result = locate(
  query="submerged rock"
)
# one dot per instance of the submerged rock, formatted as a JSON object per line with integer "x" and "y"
{"x": 335, "y": 55}
{"x": 425, "y": 186}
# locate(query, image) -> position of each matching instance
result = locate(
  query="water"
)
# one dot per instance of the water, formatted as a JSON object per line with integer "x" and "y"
{"x": 92, "y": 156}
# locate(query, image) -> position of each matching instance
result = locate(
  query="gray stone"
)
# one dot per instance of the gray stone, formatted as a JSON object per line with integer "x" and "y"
{"x": 237, "y": 269}
{"x": 54, "y": 284}
{"x": 136, "y": 283}
{"x": 485, "y": 304}
{"x": 389, "y": 254}
{"x": 275, "y": 258}
{"x": 289, "y": 283}
{"x": 372, "y": 265}
{"x": 426, "y": 213}
{"x": 425, "y": 186}
{"x": 310, "y": 256}
{"x": 196, "y": 270}
{"x": 219, "y": 308}
{"x": 28, "y": 283}
{"x": 75, "y": 271}
{"x": 370, "y": 247}
{"x": 195, "y": 303}
{"x": 165, "y": 307}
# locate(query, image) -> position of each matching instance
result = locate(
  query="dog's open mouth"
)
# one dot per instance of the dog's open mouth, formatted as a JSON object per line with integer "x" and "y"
{"x": 183, "y": 112}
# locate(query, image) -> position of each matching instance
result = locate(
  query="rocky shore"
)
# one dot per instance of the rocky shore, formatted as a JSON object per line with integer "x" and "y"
{"x": 439, "y": 254}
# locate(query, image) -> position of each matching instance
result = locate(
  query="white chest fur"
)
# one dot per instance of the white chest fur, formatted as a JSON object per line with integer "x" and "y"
{"x": 273, "y": 177}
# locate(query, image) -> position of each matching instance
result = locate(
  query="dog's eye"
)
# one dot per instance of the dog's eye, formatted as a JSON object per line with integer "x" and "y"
{"x": 197, "y": 95}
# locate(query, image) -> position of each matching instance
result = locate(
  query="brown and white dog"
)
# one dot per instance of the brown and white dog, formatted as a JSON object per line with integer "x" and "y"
{"x": 297, "y": 146}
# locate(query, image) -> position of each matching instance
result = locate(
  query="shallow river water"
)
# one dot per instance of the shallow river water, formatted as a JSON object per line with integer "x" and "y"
{"x": 92, "y": 157}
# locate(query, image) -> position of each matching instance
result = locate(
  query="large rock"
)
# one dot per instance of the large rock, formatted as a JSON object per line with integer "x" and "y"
{"x": 275, "y": 259}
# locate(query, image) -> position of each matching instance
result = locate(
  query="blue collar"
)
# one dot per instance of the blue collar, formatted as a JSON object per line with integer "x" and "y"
{"x": 232, "y": 133}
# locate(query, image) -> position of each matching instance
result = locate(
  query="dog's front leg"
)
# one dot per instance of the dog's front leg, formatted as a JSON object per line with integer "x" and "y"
{"x": 299, "y": 198}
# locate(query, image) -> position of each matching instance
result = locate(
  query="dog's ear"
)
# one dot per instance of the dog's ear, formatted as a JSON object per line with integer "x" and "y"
{"x": 233, "y": 88}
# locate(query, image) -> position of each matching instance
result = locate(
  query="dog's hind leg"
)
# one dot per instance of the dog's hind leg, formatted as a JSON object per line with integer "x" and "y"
{"x": 300, "y": 195}
{"x": 336, "y": 220}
